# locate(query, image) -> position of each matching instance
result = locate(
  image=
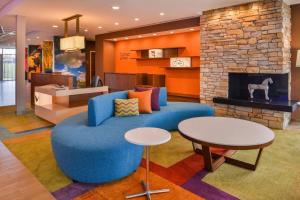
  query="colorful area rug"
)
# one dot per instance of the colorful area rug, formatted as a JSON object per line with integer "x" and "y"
{"x": 20, "y": 124}
{"x": 277, "y": 175}
{"x": 174, "y": 165}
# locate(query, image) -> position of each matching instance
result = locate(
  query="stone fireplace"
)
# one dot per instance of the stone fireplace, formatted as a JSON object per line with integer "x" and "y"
{"x": 249, "y": 40}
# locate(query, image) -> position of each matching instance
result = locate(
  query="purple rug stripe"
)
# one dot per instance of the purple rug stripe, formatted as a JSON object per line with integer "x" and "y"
{"x": 73, "y": 190}
{"x": 209, "y": 192}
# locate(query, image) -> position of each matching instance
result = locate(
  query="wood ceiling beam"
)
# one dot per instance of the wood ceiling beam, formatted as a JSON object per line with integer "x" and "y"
{"x": 173, "y": 25}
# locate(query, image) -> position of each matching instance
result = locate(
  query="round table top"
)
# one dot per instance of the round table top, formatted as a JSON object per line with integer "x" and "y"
{"x": 227, "y": 133}
{"x": 147, "y": 136}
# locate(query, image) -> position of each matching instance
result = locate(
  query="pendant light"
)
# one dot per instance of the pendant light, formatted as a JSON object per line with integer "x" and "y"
{"x": 72, "y": 43}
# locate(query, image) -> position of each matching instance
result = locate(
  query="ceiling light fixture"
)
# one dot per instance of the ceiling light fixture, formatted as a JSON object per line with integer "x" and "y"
{"x": 172, "y": 32}
{"x": 72, "y": 43}
{"x": 161, "y": 14}
{"x": 154, "y": 34}
{"x": 28, "y": 39}
{"x": 54, "y": 26}
{"x": 37, "y": 37}
{"x": 126, "y": 38}
{"x": 117, "y": 23}
{"x": 99, "y": 27}
{"x": 115, "y": 39}
{"x": 85, "y": 30}
{"x": 140, "y": 36}
{"x": 191, "y": 29}
{"x": 136, "y": 19}
{"x": 115, "y": 7}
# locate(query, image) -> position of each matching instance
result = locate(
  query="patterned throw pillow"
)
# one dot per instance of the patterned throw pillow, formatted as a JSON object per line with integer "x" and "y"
{"x": 126, "y": 107}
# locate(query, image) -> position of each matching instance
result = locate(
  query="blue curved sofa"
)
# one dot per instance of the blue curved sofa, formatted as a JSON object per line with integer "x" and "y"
{"x": 90, "y": 147}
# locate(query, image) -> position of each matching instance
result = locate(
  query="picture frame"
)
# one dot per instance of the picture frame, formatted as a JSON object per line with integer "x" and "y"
{"x": 155, "y": 53}
{"x": 181, "y": 62}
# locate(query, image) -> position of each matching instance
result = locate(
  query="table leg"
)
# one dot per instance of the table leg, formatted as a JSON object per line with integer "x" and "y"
{"x": 212, "y": 160}
{"x": 207, "y": 158}
{"x": 147, "y": 192}
{"x": 146, "y": 186}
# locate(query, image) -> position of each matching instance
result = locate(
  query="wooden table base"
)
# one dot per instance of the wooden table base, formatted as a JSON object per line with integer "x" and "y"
{"x": 212, "y": 160}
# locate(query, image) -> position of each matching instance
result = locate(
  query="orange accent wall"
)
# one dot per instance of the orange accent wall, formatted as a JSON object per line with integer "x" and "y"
{"x": 177, "y": 81}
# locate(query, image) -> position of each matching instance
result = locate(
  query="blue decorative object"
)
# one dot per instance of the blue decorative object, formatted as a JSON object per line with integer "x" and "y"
{"x": 88, "y": 152}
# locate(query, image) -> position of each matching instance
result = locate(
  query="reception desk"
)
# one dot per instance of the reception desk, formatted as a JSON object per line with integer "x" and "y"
{"x": 55, "y": 103}
{"x": 40, "y": 79}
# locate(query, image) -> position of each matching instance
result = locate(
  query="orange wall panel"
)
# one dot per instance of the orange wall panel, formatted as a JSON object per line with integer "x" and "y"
{"x": 177, "y": 81}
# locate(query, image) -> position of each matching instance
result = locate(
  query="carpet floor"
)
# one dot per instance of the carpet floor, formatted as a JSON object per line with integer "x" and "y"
{"x": 174, "y": 165}
{"x": 19, "y": 124}
{"x": 277, "y": 176}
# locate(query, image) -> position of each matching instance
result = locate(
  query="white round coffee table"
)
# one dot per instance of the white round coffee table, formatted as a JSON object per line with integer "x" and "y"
{"x": 147, "y": 137}
{"x": 226, "y": 133}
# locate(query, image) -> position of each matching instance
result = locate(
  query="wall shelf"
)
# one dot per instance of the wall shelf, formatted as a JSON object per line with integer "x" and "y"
{"x": 158, "y": 48}
{"x": 167, "y": 53}
{"x": 151, "y": 58}
{"x": 181, "y": 68}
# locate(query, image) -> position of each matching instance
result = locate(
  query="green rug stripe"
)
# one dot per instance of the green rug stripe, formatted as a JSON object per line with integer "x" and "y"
{"x": 277, "y": 175}
{"x": 36, "y": 154}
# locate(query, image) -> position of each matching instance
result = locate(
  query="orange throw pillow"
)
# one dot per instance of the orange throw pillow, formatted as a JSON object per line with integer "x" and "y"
{"x": 144, "y": 100}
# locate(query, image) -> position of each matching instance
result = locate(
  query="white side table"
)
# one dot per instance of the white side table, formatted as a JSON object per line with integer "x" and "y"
{"x": 147, "y": 137}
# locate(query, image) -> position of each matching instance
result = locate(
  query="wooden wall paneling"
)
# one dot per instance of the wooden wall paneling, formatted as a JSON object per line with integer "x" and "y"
{"x": 119, "y": 81}
{"x": 89, "y": 47}
{"x": 168, "y": 53}
{"x": 141, "y": 79}
{"x": 123, "y": 81}
{"x": 144, "y": 54}
{"x": 179, "y": 24}
{"x": 92, "y": 66}
{"x": 295, "y": 45}
{"x": 156, "y": 80}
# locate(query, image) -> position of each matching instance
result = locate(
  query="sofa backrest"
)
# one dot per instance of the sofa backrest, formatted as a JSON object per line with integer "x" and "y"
{"x": 163, "y": 96}
{"x": 102, "y": 107}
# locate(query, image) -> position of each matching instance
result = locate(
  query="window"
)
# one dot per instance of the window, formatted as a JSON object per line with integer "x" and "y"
{"x": 9, "y": 67}
{"x": 7, "y": 64}
{"x": 9, "y": 51}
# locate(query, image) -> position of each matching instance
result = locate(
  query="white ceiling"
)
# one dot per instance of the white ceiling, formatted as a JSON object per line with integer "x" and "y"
{"x": 42, "y": 14}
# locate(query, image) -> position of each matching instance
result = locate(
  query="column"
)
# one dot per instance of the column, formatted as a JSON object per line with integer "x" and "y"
{"x": 20, "y": 62}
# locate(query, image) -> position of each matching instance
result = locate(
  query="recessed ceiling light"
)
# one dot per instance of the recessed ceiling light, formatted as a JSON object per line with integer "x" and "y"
{"x": 115, "y": 7}
{"x": 54, "y": 26}
{"x": 85, "y": 30}
{"x": 116, "y": 23}
{"x": 28, "y": 39}
{"x": 100, "y": 27}
{"x": 126, "y": 38}
{"x": 115, "y": 39}
{"x": 37, "y": 37}
{"x": 171, "y": 32}
{"x": 140, "y": 36}
{"x": 154, "y": 34}
{"x": 191, "y": 29}
{"x": 136, "y": 19}
{"x": 161, "y": 14}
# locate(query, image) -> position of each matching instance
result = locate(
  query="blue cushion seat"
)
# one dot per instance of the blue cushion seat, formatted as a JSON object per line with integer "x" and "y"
{"x": 99, "y": 153}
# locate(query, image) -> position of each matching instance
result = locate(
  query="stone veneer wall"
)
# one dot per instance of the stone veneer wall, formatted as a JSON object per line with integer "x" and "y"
{"x": 250, "y": 38}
